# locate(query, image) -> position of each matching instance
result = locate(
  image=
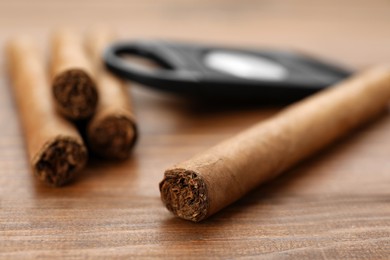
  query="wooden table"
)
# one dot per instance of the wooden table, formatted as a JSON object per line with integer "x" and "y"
{"x": 333, "y": 206}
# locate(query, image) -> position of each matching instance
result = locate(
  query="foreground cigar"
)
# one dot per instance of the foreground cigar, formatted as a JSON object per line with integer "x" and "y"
{"x": 73, "y": 88}
{"x": 112, "y": 130}
{"x": 55, "y": 148}
{"x": 201, "y": 186}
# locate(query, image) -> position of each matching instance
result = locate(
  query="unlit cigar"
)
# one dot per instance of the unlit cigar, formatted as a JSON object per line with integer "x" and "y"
{"x": 112, "y": 130}
{"x": 72, "y": 76}
{"x": 198, "y": 188}
{"x": 55, "y": 148}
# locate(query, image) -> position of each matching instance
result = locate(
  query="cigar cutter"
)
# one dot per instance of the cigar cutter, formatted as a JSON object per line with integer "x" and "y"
{"x": 222, "y": 72}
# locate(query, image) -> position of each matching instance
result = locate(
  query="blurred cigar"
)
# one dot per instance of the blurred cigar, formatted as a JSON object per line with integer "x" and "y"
{"x": 198, "y": 188}
{"x": 112, "y": 130}
{"x": 55, "y": 148}
{"x": 72, "y": 76}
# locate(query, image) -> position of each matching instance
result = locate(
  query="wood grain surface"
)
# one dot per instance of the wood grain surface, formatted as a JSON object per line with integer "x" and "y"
{"x": 334, "y": 206}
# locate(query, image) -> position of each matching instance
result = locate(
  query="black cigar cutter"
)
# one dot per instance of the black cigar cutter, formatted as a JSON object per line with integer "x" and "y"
{"x": 223, "y": 73}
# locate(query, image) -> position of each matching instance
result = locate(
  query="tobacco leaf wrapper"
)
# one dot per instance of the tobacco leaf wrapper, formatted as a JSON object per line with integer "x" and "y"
{"x": 55, "y": 148}
{"x": 73, "y": 86}
{"x": 198, "y": 188}
{"x": 112, "y": 131}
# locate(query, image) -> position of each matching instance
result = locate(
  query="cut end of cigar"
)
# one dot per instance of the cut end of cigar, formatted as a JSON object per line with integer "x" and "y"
{"x": 113, "y": 137}
{"x": 185, "y": 194}
{"x": 59, "y": 161}
{"x": 75, "y": 93}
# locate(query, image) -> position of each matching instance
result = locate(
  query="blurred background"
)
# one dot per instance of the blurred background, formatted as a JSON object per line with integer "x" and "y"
{"x": 353, "y": 32}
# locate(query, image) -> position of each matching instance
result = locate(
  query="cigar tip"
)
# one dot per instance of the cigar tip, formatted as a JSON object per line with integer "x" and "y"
{"x": 76, "y": 94}
{"x": 112, "y": 137}
{"x": 60, "y": 160}
{"x": 184, "y": 193}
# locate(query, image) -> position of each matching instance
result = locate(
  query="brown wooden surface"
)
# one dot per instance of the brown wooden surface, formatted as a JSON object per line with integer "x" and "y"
{"x": 334, "y": 206}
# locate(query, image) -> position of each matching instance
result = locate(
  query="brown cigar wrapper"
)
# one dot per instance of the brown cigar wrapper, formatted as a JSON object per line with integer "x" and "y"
{"x": 198, "y": 188}
{"x": 112, "y": 131}
{"x": 73, "y": 86}
{"x": 55, "y": 148}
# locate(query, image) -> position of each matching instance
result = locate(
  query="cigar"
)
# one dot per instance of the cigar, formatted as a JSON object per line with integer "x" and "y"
{"x": 198, "y": 188}
{"x": 112, "y": 131}
{"x": 72, "y": 77}
{"x": 55, "y": 148}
